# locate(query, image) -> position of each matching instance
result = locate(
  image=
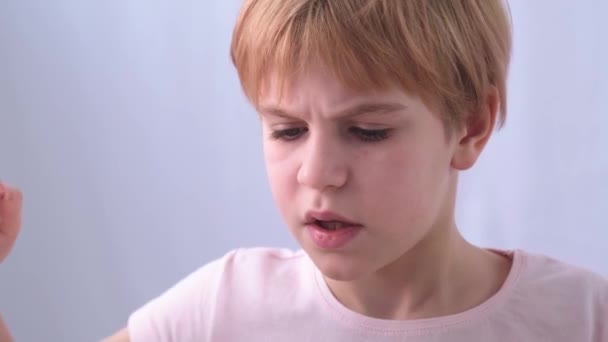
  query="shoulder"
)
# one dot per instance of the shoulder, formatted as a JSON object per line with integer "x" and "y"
{"x": 259, "y": 266}
{"x": 251, "y": 263}
{"x": 547, "y": 299}
{"x": 266, "y": 269}
{"x": 263, "y": 257}
{"x": 211, "y": 295}
{"x": 552, "y": 295}
{"x": 555, "y": 276}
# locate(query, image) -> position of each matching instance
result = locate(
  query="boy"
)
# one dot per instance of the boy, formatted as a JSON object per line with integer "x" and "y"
{"x": 370, "y": 109}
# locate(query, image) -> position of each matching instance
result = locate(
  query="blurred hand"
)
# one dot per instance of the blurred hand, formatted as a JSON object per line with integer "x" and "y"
{"x": 11, "y": 201}
{"x": 5, "y": 335}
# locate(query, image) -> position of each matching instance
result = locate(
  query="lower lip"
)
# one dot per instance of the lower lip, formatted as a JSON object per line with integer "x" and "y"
{"x": 332, "y": 239}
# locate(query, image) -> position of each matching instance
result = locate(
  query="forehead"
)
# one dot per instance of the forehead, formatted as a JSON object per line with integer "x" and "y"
{"x": 320, "y": 86}
{"x": 318, "y": 94}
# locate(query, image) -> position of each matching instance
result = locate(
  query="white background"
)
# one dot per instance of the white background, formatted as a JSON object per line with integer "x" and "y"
{"x": 124, "y": 125}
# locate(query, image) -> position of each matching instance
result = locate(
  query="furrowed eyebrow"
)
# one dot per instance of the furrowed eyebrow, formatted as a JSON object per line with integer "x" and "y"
{"x": 273, "y": 111}
{"x": 373, "y": 108}
{"x": 360, "y": 109}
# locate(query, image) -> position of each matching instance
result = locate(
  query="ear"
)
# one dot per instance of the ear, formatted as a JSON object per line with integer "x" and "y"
{"x": 476, "y": 132}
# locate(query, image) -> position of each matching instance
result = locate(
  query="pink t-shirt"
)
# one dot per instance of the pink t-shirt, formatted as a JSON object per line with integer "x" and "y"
{"x": 279, "y": 295}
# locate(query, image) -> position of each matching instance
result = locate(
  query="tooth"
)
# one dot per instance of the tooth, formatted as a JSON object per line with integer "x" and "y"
{"x": 330, "y": 225}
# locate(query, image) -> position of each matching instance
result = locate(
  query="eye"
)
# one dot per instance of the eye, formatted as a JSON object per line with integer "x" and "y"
{"x": 288, "y": 134}
{"x": 370, "y": 135}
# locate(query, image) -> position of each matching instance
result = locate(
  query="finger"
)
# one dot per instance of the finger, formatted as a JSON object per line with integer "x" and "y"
{"x": 10, "y": 218}
{"x": 5, "y": 335}
{"x": 14, "y": 197}
{"x": 10, "y": 194}
{"x": 2, "y": 190}
{"x": 11, "y": 203}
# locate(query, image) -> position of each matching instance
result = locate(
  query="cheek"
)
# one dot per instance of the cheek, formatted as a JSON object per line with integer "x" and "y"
{"x": 281, "y": 172}
{"x": 407, "y": 188}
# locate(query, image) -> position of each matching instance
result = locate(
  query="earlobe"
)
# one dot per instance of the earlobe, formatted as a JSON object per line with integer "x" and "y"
{"x": 476, "y": 132}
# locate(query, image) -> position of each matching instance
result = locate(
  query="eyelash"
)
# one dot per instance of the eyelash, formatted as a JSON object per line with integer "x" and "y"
{"x": 365, "y": 135}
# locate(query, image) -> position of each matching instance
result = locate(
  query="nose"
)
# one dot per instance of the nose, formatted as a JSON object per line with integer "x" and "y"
{"x": 324, "y": 164}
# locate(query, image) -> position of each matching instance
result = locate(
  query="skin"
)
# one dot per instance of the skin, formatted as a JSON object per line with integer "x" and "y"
{"x": 380, "y": 159}
{"x": 10, "y": 223}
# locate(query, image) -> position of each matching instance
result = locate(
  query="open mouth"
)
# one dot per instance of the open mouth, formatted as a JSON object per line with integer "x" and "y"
{"x": 329, "y": 221}
{"x": 332, "y": 225}
{"x": 328, "y": 230}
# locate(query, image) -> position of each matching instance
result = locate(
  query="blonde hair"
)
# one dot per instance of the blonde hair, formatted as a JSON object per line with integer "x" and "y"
{"x": 449, "y": 52}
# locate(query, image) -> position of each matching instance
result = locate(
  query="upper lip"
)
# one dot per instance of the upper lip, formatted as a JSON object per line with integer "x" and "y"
{"x": 313, "y": 216}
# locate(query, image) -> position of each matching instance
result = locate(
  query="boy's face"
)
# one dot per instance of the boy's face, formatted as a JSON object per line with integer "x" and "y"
{"x": 377, "y": 164}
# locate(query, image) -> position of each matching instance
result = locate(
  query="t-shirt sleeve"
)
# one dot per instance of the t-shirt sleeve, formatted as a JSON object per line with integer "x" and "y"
{"x": 182, "y": 313}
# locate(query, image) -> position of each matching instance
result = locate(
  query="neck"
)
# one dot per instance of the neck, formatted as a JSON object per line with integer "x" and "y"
{"x": 442, "y": 275}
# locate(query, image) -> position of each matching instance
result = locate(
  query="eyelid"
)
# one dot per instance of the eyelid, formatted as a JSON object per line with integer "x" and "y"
{"x": 284, "y": 133}
{"x": 293, "y": 132}
{"x": 370, "y": 135}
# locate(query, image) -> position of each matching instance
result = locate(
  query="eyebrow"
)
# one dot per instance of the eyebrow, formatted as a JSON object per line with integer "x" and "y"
{"x": 360, "y": 109}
